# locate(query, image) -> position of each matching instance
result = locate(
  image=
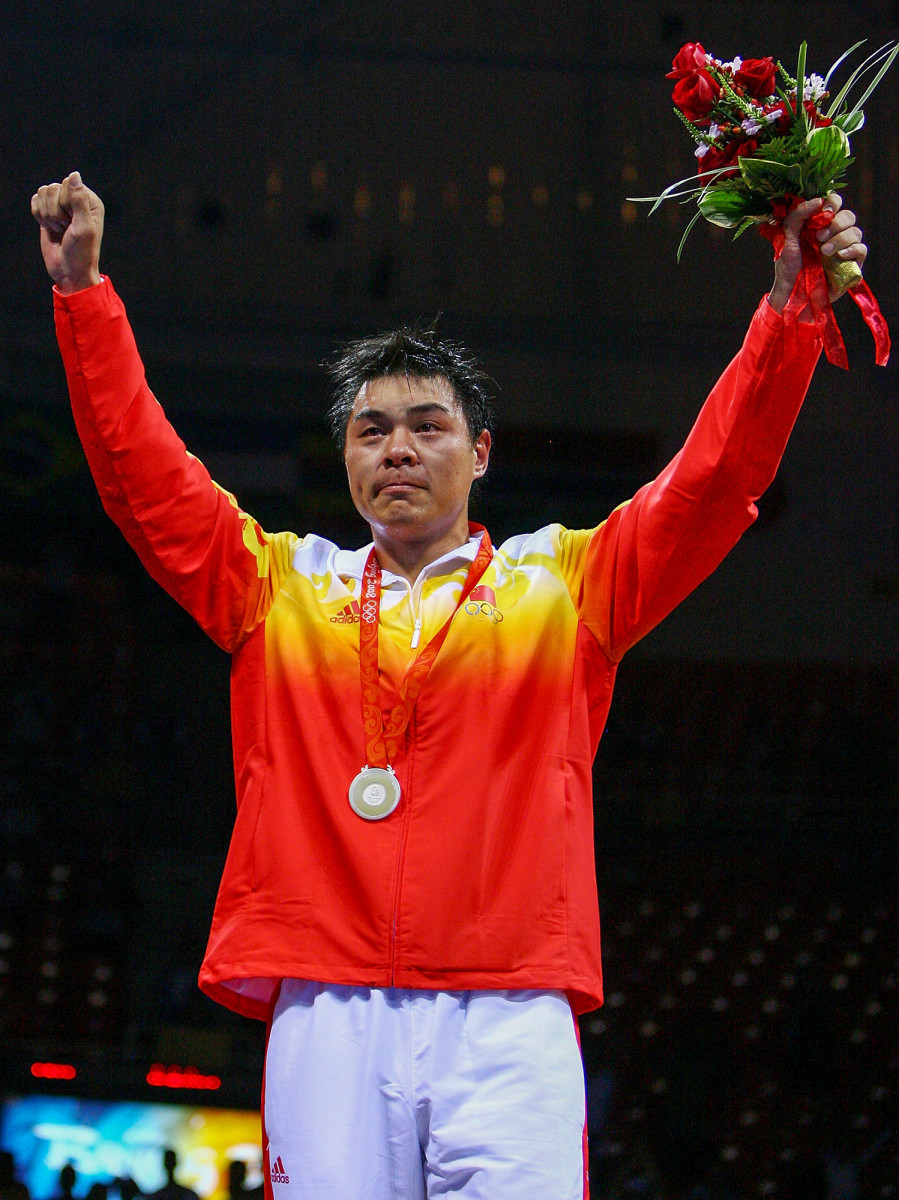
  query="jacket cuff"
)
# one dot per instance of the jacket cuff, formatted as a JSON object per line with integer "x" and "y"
{"x": 89, "y": 299}
{"x": 776, "y": 323}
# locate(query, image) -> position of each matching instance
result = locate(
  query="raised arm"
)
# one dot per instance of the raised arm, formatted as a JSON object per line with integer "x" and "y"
{"x": 630, "y": 572}
{"x": 190, "y": 534}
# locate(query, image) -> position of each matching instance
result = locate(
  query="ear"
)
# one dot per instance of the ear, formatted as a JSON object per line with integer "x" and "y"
{"x": 481, "y": 454}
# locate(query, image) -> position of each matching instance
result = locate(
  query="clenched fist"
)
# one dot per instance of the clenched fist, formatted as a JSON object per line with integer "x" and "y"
{"x": 71, "y": 220}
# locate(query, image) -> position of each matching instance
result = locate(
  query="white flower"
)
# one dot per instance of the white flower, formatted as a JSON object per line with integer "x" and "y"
{"x": 702, "y": 149}
{"x": 771, "y": 117}
{"x": 750, "y": 125}
{"x": 733, "y": 66}
{"x": 714, "y": 130}
{"x": 814, "y": 88}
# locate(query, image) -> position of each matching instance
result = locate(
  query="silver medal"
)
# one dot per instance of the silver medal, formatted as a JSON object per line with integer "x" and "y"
{"x": 374, "y": 793}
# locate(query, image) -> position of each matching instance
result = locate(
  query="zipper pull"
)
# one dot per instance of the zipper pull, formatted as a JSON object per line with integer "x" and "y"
{"x": 416, "y": 632}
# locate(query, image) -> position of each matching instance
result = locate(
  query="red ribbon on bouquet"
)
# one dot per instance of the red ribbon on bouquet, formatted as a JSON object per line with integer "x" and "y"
{"x": 811, "y": 287}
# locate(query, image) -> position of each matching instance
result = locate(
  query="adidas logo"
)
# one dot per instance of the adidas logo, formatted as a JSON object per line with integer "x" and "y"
{"x": 278, "y": 1175}
{"x": 349, "y": 614}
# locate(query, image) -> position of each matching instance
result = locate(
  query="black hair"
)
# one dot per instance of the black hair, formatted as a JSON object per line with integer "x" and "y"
{"x": 408, "y": 351}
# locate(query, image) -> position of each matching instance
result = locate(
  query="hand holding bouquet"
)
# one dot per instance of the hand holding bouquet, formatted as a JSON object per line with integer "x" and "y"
{"x": 766, "y": 142}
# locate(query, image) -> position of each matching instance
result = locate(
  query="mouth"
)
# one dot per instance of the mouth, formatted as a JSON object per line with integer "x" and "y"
{"x": 398, "y": 487}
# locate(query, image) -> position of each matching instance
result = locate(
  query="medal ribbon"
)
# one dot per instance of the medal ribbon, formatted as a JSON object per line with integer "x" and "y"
{"x": 382, "y": 742}
{"x": 811, "y": 287}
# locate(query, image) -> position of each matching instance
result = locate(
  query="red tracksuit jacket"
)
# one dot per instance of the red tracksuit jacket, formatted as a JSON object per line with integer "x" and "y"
{"x": 483, "y": 877}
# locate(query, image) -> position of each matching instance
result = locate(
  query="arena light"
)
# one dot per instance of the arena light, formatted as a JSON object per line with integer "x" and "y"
{"x": 175, "y": 1077}
{"x": 47, "y": 1070}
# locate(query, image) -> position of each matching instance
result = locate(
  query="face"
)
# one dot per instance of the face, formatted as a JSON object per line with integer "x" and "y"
{"x": 410, "y": 460}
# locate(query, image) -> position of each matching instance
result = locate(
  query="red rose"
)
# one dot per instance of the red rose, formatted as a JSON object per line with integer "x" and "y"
{"x": 689, "y": 59}
{"x": 695, "y": 95}
{"x": 715, "y": 158}
{"x": 756, "y": 77}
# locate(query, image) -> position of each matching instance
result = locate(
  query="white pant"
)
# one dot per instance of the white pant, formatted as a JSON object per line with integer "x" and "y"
{"x": 392, "y": 1094}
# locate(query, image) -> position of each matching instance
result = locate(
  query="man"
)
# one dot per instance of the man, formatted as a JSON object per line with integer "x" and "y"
{"x": 410, "y": 895}
{"x": 171, "y": 1189}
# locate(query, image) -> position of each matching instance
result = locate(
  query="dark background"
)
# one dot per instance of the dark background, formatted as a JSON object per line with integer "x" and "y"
{"x": 279, "y": 177}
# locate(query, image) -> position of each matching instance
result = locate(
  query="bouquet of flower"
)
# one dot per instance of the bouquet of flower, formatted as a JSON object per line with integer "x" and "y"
{"x": 765, "y": 141}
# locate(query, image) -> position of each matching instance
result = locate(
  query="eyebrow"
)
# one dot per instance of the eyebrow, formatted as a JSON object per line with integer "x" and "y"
{"x": 375, "y": 414}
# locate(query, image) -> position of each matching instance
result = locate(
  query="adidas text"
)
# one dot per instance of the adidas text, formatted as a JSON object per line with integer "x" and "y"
{"x": 278, "y": 1175}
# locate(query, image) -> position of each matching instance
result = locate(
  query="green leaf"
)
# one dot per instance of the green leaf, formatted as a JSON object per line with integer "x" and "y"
{"x": 695, "y": 132}
{"x": 825, "y": 183}
{"x": 828, "y": 148}
{"x": 788, "y": 100}
{"x": 857, "y": 106}
{"x": 760, "y": 170}
{"x": 693, "y": 185}
{"x": 746, "y": 223}
{"x": 801, "y": 115}
{"x": 790, "y": 81}
{"x": 781, "y": 149}
{"x": 736, "y": 101}
{"x": 724, "y": 206}
{"x": 869, "y": 63}
{"x": 683, "y": 240}
{"x": 845, "y": 89}
{"x": 842, "y": 57}
{"x": 850, "y": 122}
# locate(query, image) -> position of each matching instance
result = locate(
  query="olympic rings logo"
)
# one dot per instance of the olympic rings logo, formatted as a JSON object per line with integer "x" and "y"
{"x": 482, "y": 610}
{"x": 369, "y": 610}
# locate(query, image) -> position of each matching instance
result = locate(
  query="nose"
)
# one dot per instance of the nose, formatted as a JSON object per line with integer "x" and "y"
{"x": 399, "y": 447}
